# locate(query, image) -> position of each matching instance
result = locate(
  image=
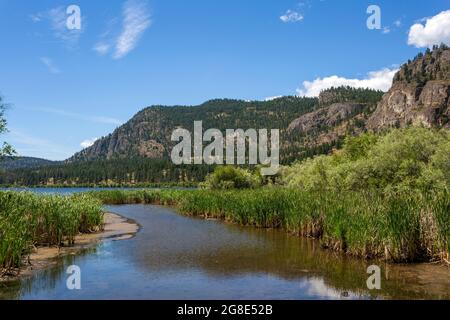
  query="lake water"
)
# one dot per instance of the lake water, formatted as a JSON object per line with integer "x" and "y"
{"x": 64, "y": 191}
{"x": 177, "y": 257}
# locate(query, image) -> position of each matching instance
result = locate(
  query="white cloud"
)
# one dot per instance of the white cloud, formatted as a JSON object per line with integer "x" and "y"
{"x": 435, "y": 31}
{"x": 291, "y": 16}
{"x": 379, "y": 80}
{"x": 50, "y": 65}
{"x": 101, "y": 48}
{"x": 87, "y": 143}
{"x": 136, "y": 19}
{"x": 272, "y": 98}
{"x": 398, "y": 23}
{"x": 386, "y": 30}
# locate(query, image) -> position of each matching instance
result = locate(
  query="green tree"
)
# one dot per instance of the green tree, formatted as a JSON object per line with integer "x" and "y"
{"x": 6, "y": 149}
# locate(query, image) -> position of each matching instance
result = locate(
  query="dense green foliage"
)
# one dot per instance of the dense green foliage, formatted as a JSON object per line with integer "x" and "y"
{"x": 399, "y": 226}
{"x": 411, "y": 158}
{"x": 229, "y": 177}
{"x": 350, "y": 94}
{"x": 28, "y": 220}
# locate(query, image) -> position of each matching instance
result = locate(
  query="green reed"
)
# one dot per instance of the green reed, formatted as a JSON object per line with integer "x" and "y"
{"x": 401, "y": 226}
{"x": 28, "y": 220}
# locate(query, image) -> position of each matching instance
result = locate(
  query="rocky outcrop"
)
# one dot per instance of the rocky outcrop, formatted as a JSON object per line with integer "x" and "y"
{"x": 419, "y": 94}
{"x": 342, "y": 111}
{"x": 329, "y": 117}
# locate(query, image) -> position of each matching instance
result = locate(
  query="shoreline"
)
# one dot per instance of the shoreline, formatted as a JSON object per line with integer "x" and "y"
{"x": 115, "y": 228}
{"x": 361, "y": 216}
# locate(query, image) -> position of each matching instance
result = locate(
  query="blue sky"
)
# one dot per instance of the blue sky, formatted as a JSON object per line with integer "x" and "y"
{"x": 68, "y": 87}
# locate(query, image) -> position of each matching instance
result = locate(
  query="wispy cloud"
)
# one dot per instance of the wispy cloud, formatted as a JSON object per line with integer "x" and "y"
{"x": 136, "y": 19}
{"x": 379, "y": 80}
{"x": 106, "y": 39}
{"x": 121, "y": 40}
{"x": 36, "y": 17}
{"x": 30, "y": 145}
{"x": 291, "y": 16}
{"x": 394, "y": 26}
{"x": 96, "y": 119}
{"x": 50, "y": 65}
{"x": 88, "y": 142}
{"x": 57, "y": 19}
{"x": 101, "y": 48}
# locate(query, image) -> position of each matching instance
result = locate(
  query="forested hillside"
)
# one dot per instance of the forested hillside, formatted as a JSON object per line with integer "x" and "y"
{"x": 138, "y": 152}
{"x": 134, "y": 171}
{"x": 148, "y": 133}
{"x": 10, "y": 163}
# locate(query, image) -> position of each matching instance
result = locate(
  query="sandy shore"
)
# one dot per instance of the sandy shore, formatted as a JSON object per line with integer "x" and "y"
{"x": 115, "y": 228}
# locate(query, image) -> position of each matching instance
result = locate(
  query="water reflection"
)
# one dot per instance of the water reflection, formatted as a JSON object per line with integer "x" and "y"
{"x": 175, "y": 257}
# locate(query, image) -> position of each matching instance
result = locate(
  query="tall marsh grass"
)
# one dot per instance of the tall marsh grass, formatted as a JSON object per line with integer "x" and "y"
{"x": 401, "y": 226}
{"x": 28, "y": 220}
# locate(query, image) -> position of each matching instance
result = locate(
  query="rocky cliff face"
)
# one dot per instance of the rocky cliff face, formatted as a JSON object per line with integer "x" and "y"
{"x": 325, "y": 117}
{"x": 341, "y": 111}
{"x": 142, "y": 136}
{"x": 419, "y": 94}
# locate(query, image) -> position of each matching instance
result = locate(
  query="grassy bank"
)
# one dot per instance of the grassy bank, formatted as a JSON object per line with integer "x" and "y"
{"x": 28, "y": 220}
{"x": 402, "y": 227}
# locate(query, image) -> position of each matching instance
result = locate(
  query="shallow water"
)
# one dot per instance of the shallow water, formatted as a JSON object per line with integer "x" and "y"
{"x": 177, "y": 257}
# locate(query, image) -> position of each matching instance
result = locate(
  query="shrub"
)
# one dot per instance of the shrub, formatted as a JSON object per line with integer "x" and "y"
{"x": 229, "y": 177}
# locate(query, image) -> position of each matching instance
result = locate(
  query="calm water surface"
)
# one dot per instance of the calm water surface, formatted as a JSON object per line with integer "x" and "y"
{"x": 176, "y": 257}
{"x": 65, "y": 191}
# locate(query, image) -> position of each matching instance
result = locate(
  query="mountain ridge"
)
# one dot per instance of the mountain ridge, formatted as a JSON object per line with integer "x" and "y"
{"x": 138, "y": 151}
{"x": 148, "y": 133}
{"x": 11, "y": 163}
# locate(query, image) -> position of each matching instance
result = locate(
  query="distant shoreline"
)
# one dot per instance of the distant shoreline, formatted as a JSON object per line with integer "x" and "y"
{"x": 130, "y": 186}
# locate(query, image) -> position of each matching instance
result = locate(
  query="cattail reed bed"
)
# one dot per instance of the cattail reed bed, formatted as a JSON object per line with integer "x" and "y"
{"x": 397, "y": 226}
{"x": 28, "y": 220}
